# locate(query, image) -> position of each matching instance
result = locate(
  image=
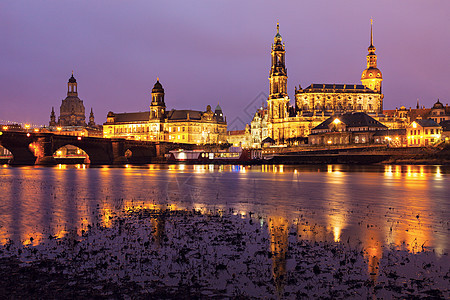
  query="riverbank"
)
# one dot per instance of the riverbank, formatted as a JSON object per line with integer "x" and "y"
{"x": 188, "y": 254}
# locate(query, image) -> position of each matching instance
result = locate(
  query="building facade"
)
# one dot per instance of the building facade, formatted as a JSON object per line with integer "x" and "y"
{"x": 438, "y": 113}
{"x": 350, "y": 128}
{"x": 423, "y": 132}
{"x": 241, "y": 138}
{"x": 314, "y": 104}
{"x": 72, "y": 118}
{"x": 158, "y": 124}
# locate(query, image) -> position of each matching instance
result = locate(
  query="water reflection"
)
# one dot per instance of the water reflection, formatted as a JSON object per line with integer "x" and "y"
{"x": 365, "y": 206}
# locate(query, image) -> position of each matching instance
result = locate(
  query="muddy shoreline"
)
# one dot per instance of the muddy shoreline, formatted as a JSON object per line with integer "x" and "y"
{"x": 187, "y": 254}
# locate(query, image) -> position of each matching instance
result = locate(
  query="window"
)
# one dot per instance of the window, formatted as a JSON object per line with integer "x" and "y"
{"x": 432, "y": 131}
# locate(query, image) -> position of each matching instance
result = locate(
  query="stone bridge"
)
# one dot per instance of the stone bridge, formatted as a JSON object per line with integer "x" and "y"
{"x": 39, "y": 148}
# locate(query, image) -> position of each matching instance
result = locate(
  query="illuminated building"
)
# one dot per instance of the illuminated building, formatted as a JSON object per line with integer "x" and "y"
{"x": 72, "y": 119}
{"x": 391, "y": 137}
{"x": 423, "y": 133}
{"x": 259, "y": 129}
{"x": 438, "y": 113}
{"x": 240, "y": 138}
{"x": 349, "y": 128}
{"x": 317, "y": 102}
{"x": 158, "y": 124}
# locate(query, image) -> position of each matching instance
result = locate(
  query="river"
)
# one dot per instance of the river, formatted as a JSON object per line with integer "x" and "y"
{"x": 372, "y": 207}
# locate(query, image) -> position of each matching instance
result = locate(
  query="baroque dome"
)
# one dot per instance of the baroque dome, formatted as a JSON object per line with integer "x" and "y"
{"x": 438, "y": 105}
{"x": 157, "y": 87}
{"x": 371, "y": 73}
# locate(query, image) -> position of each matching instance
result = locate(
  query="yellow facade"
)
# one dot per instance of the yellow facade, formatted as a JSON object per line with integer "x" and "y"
{"x": 317, "y": 102}
{"x": 423, "y": 133}
{"x": 177, "y": 126}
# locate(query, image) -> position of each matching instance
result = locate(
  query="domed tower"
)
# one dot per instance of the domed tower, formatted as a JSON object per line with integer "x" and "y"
{"x": 278, "y": 98}
{"x": 157, "y": 107}
{"x": 72, "y": 111}
{"x": 371, "y": 77}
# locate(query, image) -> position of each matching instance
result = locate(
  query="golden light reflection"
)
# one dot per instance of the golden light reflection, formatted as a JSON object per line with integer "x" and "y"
{"x": 106, "y": 214}
{"x": 388, "y": 170}
{"x": 438, "y": 172}
{"x": 373, "y": 251}
{"x": 330, "y": 169}
{"x": 279, "y": 231}
{"x": 337, "y": 199}
{"x": 32, "y": 239}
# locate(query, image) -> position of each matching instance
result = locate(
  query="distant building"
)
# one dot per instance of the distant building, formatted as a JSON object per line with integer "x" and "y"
{"x": 72, "y": 118}
{"x": 391, "y": 137}
{"x": 445, "y": 131}
{"x": 438, "y": 113}
{"x": 349, "y": 128}
{"x": 158, "y": 124}
{"x": 240, "y": 138}
{"x": 287, "y": 124}
{"x": 259, "y": 127}
{"x": 423, "y": 133}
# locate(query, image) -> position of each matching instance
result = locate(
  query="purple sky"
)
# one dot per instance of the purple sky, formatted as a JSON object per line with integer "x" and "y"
{"x": 210, "y": 51}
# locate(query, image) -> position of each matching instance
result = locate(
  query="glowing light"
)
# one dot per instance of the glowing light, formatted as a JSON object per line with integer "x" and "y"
{"x": 414, "y": 125}
{"x": 59, "y": 128}
{"x": 5, "y": 127}
{"x": 438, "y": 172}
{"x": 79, "y": 138}
{"x": 27, "y": 126}
{"x": 36, "y": 130}
{"x": 28, "y": 134}
{"x": 336, "y": 121}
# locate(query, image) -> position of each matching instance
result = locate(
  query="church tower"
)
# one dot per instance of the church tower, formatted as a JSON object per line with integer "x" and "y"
{"x": 91, "y": 119}
{"x": 278, "y": 99}
{"x": 371, "y": 77}
{"x": 72, "y": 112}
{"x": 52, "y": 122}
{"x": 72, "y": 87}
{"x": 157, "y": 107}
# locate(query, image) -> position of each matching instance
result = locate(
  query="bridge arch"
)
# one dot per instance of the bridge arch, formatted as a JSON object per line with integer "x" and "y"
{"x": 19, "y": 145}
{"x": 136, "y": 154}
{"x": 71, "y": 154}
{"x": 98, "y": 152}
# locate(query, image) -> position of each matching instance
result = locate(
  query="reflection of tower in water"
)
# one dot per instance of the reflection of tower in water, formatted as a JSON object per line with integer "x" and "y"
{"x": 278, "y": 229}
{"x": 373, "y": 252}
{"x": 158, "y": 228}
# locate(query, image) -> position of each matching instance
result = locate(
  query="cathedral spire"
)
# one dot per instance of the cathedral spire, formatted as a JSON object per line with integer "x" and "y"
{"x": 52, "y": 118}
{"x": 91, "y": 119}
{"x": 371, "y": 76}
{"x": 371, "y": 32}
{"x": 277, "y": 39}
{"x": 278, "y": 101}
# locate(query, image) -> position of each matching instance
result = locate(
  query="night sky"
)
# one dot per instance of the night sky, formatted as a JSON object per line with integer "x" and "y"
{"x": 205, "y": 52}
